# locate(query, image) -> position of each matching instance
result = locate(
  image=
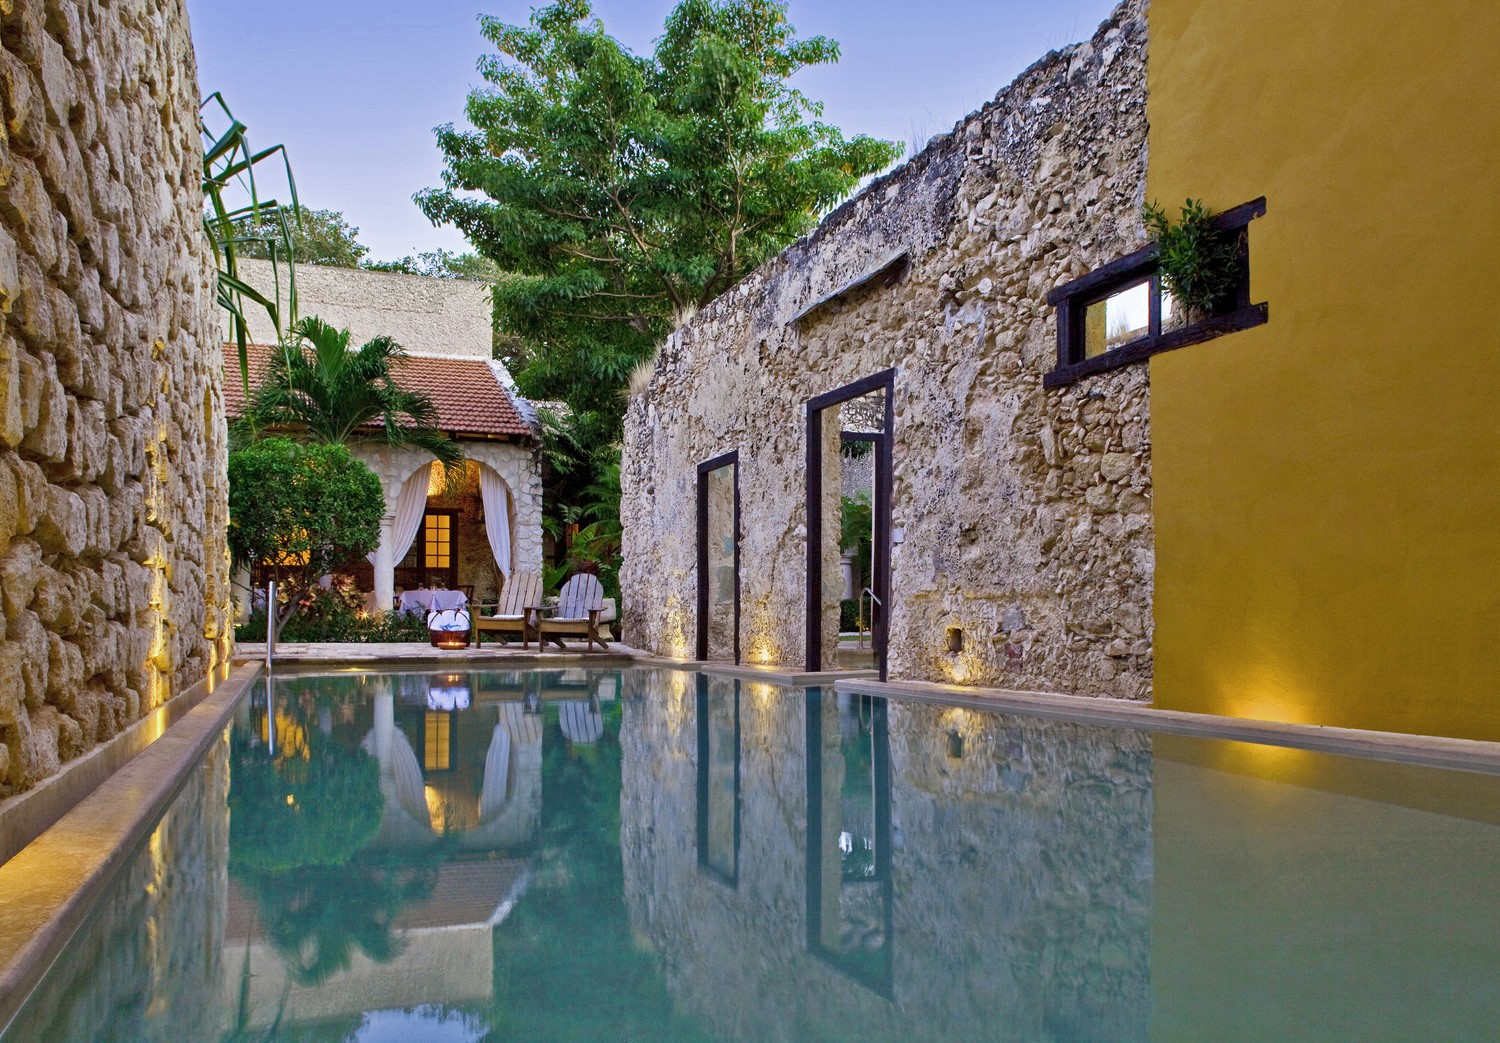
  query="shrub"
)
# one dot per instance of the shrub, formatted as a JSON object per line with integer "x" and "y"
{"x": 303, "y": 509}
{"x": 327, "y": 621}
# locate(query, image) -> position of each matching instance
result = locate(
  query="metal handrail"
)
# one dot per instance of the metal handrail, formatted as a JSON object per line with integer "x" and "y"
{"x": 875, "y": 600}
{"x": 270, "y": 622}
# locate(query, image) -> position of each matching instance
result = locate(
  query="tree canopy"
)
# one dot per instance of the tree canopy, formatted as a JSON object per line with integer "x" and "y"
{"x": 305, "y": 509}
{"x": 441, "y": 264}
{"x": 619, "y": 193}
{"x": 317, "y": 237}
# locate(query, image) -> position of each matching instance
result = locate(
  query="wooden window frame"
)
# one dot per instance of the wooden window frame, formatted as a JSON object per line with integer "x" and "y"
{"x": 1072, "y": 299}
{"x": 452, "y": 514}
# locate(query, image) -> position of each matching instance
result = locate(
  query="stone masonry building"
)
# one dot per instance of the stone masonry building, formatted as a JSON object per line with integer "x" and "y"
{"x": 444, "y": 327}
{"x": 1023, "y": 514}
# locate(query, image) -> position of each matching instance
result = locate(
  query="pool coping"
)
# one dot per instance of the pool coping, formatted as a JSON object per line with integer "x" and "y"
{"x": 1474, "y": 755}
{"x": 394, "y": 653}
{"x": 49, "y": 887}
{"x": 27, "y": 815}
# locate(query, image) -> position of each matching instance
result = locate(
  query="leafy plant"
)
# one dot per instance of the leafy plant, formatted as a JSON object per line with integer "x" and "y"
{"x": 323, "y": 237}
{"x": 856, "y": 534}
{"x": 235, "y": 218}
{"x": 304, "y": 510}
{"x": 327, "y": 619}
{"x": 318, "y": 387}
{"x": 1199, "y": 262}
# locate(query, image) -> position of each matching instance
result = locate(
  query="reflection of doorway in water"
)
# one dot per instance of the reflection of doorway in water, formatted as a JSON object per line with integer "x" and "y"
{"x": 719, "y": 777}
{"x": 850, "y": 903}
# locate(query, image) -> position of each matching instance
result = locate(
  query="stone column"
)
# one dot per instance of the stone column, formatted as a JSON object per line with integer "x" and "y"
{"x": 385, "y": 566}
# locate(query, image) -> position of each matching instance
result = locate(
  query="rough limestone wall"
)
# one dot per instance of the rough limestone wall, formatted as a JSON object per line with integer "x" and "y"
{"x": 112, "y": 489}
{"x": 1027, "y": 512}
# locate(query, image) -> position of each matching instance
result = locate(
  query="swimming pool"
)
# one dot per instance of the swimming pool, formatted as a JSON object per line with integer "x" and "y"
{"x": 658, "y": 854}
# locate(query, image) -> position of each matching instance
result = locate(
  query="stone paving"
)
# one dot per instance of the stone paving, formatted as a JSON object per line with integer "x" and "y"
{"x": 407, "y": 651}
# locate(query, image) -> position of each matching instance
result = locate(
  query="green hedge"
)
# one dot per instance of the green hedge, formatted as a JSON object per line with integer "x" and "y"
{"x": 337, "y": 624}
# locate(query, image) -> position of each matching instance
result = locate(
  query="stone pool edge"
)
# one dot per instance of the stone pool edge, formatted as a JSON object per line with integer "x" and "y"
{"x": 1432, "y": 751}
{"x": 49, "y": 887}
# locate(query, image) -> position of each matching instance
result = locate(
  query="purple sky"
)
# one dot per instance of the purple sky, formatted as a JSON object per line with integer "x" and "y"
{"x": 353, "y": 88}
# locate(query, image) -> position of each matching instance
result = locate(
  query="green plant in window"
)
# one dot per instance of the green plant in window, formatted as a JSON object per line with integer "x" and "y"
{"x": 1200, "y": 263}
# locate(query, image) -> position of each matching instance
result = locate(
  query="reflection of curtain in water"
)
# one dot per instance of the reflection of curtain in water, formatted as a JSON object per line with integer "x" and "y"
{"x": 496, "y": 775}
{"x": 579, "y": 722}
{"x": 405, "y": 772}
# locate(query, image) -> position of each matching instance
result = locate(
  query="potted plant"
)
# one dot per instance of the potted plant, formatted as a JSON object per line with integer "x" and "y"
{"x": 1199, "y": 262}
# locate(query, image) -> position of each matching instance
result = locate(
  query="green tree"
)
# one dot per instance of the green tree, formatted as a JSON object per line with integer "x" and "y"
{"x": 319, "y": 388}
{"x": 317, "y": 237}
{"x": 305, "y": 509}
{"x": 619, "y": 193}
{"x": 441, "y": 264}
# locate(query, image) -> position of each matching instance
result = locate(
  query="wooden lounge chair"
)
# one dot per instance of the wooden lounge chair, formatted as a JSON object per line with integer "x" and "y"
{"x": 508, "y": 616}
{"x": 579, "y": 605}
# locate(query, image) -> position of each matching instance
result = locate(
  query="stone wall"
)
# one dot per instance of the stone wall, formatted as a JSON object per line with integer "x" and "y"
{"x": 425, "y": 315}
{"x": 112, "y": 489}
{"x": 1026, "y": 512}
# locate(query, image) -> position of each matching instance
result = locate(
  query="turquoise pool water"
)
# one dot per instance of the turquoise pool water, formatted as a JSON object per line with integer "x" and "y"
{"x": 660, "y": 855}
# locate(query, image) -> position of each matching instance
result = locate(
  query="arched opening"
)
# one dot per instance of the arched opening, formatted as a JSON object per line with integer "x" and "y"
{"x": 466, "y": 535}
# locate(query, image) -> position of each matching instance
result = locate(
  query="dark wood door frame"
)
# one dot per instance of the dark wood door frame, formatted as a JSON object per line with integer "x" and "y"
{"x": 731, "y": 458}
{"x": 880, "y": 566}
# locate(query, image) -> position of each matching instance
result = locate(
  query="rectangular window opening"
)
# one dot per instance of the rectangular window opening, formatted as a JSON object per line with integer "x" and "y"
{"x": 1121, "y": 313}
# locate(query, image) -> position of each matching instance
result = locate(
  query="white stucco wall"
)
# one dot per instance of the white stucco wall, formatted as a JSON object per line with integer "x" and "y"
{"x": 426, "y": 316}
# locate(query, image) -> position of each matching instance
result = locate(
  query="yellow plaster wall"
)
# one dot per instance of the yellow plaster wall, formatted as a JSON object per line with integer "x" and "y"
{"x": 1327, "y": 486}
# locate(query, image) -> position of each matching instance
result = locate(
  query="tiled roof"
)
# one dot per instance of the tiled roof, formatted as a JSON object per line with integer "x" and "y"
{"x": 462, "y": 893}
{"x": 469, "y": 397}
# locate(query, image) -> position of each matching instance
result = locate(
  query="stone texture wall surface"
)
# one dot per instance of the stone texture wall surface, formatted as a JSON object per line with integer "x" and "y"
{"x": 113, "y": 567}
{"x": 426, "y": 316}
{"x": 1021, "y": 873}
{"x": 1026, "y": 512}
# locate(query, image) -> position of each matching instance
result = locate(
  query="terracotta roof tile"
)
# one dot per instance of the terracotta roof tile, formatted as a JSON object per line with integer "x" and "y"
{"x": 469, "y": 397}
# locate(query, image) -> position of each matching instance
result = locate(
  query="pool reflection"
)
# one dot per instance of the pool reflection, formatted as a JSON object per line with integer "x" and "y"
{"x": 898, "y": 886}
{"x": 656, "y": 854}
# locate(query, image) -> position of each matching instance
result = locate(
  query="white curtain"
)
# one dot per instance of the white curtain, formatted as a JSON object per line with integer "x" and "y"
{"x": 496, "y": 517}
{"x": 411, "y": 505}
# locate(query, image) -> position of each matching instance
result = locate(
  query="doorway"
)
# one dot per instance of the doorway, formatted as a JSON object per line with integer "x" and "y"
{"x": 861, "y": 414}
{"x": 718, "y": 630}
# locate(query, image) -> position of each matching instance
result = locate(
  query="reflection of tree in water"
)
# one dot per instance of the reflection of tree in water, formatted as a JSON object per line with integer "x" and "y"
{"x": 298, "y": 827}
{"x": 566, "y": 963}
{"x": 317, "y": 916}
{"x": 316, "y": 804}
